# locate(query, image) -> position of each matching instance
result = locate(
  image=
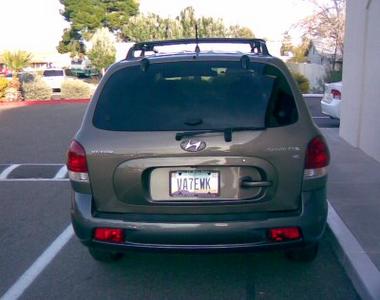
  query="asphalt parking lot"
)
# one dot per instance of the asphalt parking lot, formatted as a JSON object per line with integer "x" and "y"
{"x": 36, "y": 212}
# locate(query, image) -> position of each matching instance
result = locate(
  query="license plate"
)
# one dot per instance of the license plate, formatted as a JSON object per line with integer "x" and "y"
{"x": 194, "y": 183}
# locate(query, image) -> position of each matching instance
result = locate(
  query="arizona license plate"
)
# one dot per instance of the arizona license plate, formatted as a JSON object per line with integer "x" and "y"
{"x": 194, "y": 183}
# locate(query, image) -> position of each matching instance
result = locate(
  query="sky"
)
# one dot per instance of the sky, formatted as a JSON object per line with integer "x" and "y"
{"x": 36, "y": 25}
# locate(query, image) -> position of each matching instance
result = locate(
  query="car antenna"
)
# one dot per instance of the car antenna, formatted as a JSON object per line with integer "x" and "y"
{"x": 197, "y": 49}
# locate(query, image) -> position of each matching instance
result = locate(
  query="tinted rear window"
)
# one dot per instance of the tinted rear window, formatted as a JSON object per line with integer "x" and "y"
{"x": 50, "y": 73}
{"x": 215, "y": 94}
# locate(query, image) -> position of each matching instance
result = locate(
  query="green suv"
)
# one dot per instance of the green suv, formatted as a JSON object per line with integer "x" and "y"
{"x": 198, "y": 150}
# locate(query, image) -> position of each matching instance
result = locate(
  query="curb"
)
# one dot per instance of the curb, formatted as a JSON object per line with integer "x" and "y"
{"x": 43, "y": 102}
{"x": 358, "y": 266}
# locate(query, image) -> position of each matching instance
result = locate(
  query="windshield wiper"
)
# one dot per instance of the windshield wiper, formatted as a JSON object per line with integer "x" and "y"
{"x": 227, "y": 132}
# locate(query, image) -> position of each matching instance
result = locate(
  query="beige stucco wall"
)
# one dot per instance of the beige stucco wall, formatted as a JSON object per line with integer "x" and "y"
{"x": 360, "y": 115}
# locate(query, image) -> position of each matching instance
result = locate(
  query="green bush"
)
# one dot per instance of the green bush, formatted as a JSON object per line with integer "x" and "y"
{"x": 36, "y": 90}
{"x": 3, "y": 86}
{"x": 333, "y": 76}
{"x": 302, "y": 82}
{"x": 75, "y": 89}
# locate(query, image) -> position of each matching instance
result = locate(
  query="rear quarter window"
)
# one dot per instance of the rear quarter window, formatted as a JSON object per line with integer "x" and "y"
{"x": 216, "y": 95}
{"x": 51, "y": 73}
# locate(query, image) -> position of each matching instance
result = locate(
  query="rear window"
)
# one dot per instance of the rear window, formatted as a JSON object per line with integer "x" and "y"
{"x": 195, "y": 95}
{"x": 51, "y": 73}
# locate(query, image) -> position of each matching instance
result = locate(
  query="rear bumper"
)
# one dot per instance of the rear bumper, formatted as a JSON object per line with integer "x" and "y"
{"x": 249, "y": 233}
{"x": 331, "y": 109}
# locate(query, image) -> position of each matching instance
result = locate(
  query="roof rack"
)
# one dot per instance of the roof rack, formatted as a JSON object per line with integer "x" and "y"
{"x": 258, "y": 46}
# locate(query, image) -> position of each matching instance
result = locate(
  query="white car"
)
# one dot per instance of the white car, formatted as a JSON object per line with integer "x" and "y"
{"x": 54, "y": 78}
{"x": 332, "y": 99}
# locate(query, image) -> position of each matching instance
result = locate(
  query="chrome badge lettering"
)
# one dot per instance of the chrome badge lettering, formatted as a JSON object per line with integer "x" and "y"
{"x": 193, "y": 145}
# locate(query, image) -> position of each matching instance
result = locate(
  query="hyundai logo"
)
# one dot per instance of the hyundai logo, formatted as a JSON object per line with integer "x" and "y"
{"x": 193, "y": 145}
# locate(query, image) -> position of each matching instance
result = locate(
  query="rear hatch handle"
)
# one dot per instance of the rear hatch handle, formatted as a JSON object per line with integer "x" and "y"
{"x": 247, "y": 182}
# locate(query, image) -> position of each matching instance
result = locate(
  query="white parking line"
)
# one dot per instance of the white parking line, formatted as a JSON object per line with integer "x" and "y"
{"x": 36, "y": 164}
{"x": 61, "y": 173}
{"x": 34, "y": 179}
{"x": 7, "y": 171}
{"x": 26, "y": 279}
{"x": 59, "y": 176}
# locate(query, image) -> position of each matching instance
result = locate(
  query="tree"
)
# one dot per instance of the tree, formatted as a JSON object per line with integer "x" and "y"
{"x": 143, "y": 28}
{"x": 153, "y": 27}
{"x": 71, "y": 43}
{"x": 286, "y": 45}
{"x": 85, "y": 16}
{"x": 103, "y": 51}
{"x": 187, "y": 20}
{"x": 300, "y": 52}
{"x": 117, "y": 14}
{"x": 236, "y": 31}
{"x": 209, "y": 27}
{"x": 16, "y": 61}
{"x": 327, "y": 24}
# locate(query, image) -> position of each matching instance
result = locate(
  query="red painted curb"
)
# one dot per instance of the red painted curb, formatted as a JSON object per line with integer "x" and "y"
{"x": 42, "y": 102}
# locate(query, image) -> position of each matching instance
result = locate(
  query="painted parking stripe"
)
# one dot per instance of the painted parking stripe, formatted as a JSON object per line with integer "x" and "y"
{"x": 61, "y": 173}
{"x": 34, "y": 179}
{"x": 8, "y": 174}
{"x": 41, "y": 164}
{"x": 26, "y": 279}
{"x": 8, "y": 171}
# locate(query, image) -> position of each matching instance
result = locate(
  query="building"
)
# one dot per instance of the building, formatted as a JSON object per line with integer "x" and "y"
{"x": 322, "y": 52}
{"x": 360, "y": 112}
{"x": 42, "y": 60}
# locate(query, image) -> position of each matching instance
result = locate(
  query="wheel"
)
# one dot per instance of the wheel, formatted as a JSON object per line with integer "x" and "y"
{"x": 304, "y": 254}
{"x": 104, "y": 255}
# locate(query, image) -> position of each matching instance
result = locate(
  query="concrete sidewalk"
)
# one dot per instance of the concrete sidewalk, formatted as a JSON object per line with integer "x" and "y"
{"x": 354, "y": 195}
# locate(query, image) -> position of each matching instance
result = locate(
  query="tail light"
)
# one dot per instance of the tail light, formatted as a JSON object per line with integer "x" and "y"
{"x": 284, "y": 234}
{"x": 113, "y": 235}
{"x": 77, "y": 162}
{"x": 336, "y": 94}
{"x": 317, "y": 158}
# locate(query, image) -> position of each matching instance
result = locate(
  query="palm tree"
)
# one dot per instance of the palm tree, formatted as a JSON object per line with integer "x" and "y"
{"x": 16, "y": 61}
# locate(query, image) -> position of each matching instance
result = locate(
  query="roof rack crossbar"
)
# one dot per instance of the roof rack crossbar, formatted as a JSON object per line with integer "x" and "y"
{"x": 258, "y": 46}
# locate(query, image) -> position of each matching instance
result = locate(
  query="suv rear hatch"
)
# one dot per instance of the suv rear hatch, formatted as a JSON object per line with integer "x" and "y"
{"x": 241, "y": 150}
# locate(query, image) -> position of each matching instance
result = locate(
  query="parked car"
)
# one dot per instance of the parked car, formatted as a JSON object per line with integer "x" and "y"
{"x": 54, "y": 78}
{"x": 332, "y": 99}
{"x": 82, "y": 68}
{"x": 198, "y": 151}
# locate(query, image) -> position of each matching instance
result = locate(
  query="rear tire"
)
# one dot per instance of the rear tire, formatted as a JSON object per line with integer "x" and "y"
{"x": 104, "y": 255}
{"x": 304, "y": 254}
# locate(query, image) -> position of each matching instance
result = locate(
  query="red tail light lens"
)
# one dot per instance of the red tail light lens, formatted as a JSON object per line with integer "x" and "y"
{"x": 284, "y": 234}
{"x": 317, "y": 154}
{"x": 336, "y": 94}
{"x": 113, "y": 235}
{"x": 76, "y": 158}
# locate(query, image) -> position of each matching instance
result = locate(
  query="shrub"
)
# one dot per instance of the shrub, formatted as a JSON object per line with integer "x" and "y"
{"x": 14, "y": 83}
{"x": 12, "y": 92}
{"x": 3, "y": 86}
{"x": 302, "y": 82}
{"x": 26, "y": 77}
{"x": 333, "y": 76}
{"x": 75, "y": 89}
{"x": 37, "y": 90}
